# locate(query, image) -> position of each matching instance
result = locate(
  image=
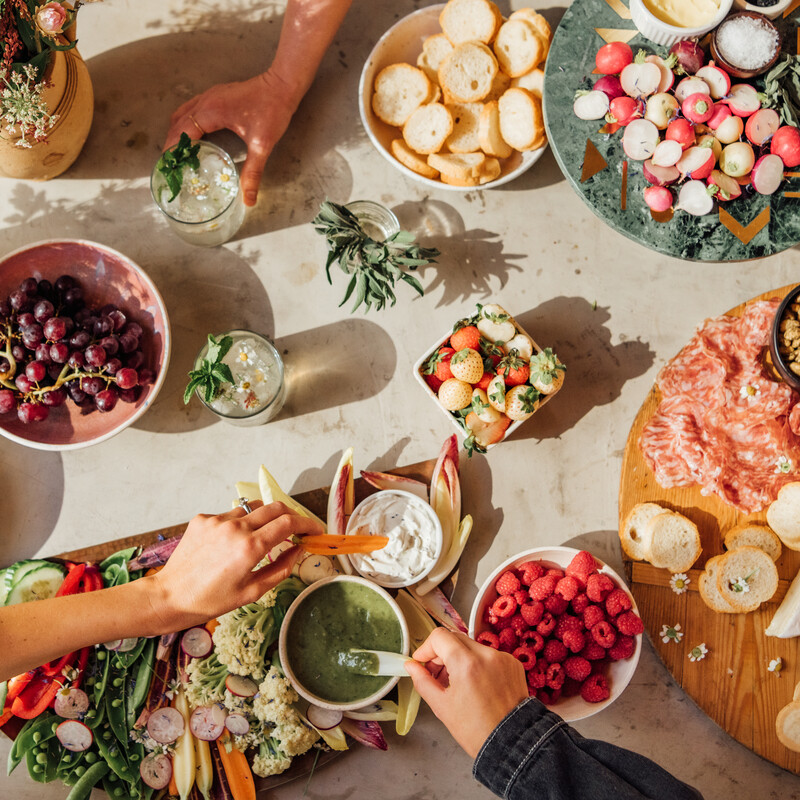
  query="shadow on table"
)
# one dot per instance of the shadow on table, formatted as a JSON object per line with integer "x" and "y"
{"x": 597, "y": 369}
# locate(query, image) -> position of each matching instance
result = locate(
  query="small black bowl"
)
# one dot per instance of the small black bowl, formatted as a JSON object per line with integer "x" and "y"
{"x": 781, "y": 366}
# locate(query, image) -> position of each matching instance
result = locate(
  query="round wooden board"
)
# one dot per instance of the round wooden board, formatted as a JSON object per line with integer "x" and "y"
{"x": 732, "y": 683}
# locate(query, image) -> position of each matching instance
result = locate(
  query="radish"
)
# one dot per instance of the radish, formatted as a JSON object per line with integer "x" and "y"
{"x": 729, "y": 130}
{"x": 165, "y": 725}
{"x": 667, "y": 153}
{"x": 767, "y": 174}
{"x": 640, "y": 139}
{"x": 640, "y": 79}
{"x": 696, "y": 163}
{"x": 694, "y": 198}
{"x": 72, "y": 704}
{"x": 237, "y": 724}
{"x": 659, "y": 176}
{"x": 719, "y": 82}
{"x": 786, "y": 144}
{"x": 610, "y": 86}
{"x": 208, "y": 722}
{"x": 697, "y": 107}
{"x": 126, "y": 645}
{"x": 690, "y": 86}
{"x": 737, "y": 159}
{"x": 681, "y": 131}
{"x": 720, "y": 114}
{"x": 156, "y": 770}
{"x": 761, "y": 125}
{"x": 590, "y": 105}
{"x": 689, "y": 55}
{"x": 667, "y": 75}
{"x": 658, "y": 198}
{"x": 241, "y": 685}
{"x": 624, "y": 109}
{"x": 74, "y": 736}
{"x": 743, "y": 100}
{"x": 113, "y": 645}
{"x": 613, "y": 57}
{"x": 196, "y": 642}
{"x": 728, "y": 188}
{"x": 710, "y": 141}
{"x": 661, "y": 108}
{"x": 315, "y": 568}
{"x": 323, "y": 719}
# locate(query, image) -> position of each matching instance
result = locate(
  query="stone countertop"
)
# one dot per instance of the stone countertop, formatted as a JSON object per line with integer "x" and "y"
{"x": 614, "y": 312}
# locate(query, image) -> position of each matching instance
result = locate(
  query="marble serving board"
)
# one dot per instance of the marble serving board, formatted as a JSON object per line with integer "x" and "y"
{"x": 612, "y": 184}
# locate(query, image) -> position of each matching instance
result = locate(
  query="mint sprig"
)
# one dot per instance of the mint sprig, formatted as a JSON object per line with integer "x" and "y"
{"x": 212, "y": 373}
{"x": 173, "y": 161}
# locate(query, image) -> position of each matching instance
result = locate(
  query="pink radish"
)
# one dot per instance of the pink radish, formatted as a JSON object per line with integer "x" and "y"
{"x": 694, "y": 198}
{"x": 737, "y": 159}
{"x": 689, "y": 55}
{"x": 661, "y": 108}
{"x": 729, "y": 130}
{"x": 728, "y": 188}
{"x": 720, "y": 114}
{"x": 165, "y": 725}
{"x": 74, "y": 736}
{"x": 767, "y": 174}
{"x": 697, "y": 107}
{"x": 241, "y": 685}
{"x": 786, "y": 144}
{"x": 667, "y": 75}
{"x": 681, "y": 131}
{"x": 612, "y": 58}
{"x": 761, "y": 125}
{"x": 707, "y": 140}
{"x": 323, "y": 719}
{"x": 719, "y": 82}
{"x": 743, "y": 100}
{"x": 196, "y": 642}
{"x": 640, "y": 139}
{"x": 591, "y": 105}
{"x": 624, "y": 109}
{"x": 640, "y": 80}
{"x": 659, "y": 176}
{"x": 658, "y": 198}
{"x": 689, "y": 86}
{"x": 610, "y": 86}
{"x": 237, "y": 724}
{"x": 667, "y": 153}
{"x": 156, "y": 770}
{"x": 208, "y": 722}
{"x": 71, "y": 704}
{"x": 696, "y": 163}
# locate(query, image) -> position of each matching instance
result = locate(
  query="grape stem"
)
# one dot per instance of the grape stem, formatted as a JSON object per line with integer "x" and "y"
{"x": 5, "y": 378}
{"x": 64, "y": 378}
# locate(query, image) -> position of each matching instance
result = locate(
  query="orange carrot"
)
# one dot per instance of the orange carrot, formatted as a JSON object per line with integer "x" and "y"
{"x": 173, "y": 787}
{"x": 330, "y": 544}
{"x": 237, "y": 771}
{"x": 212, "y": 625}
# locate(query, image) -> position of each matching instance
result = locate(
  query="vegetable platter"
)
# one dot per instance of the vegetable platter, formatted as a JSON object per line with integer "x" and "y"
{"x": 732, "y": 682}
{"x": 167, "y": 717}
{"x": 611, "y": 179}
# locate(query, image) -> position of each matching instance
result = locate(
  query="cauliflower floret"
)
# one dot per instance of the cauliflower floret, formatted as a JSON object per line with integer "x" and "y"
{"x": 294, "y": 736}
{"x": 238, "y": 705}
{"x": 275, "y": 694}
{"x": 270, "y": 761}
{"x": 206, "y": 684}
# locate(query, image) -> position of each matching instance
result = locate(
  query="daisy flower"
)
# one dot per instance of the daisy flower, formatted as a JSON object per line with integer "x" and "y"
{"x": 740, "y": 585}
{"x": 671, "y": 633}
{"x": 699, "y": 652}
{"x": 783, "y": 466}
{"x": 246, "y": 356}
{"x": 749, "y": 392}
{"x": 776, "y": 665}
{"x": 679, "y": 582}
{"x": 224, "y": 178}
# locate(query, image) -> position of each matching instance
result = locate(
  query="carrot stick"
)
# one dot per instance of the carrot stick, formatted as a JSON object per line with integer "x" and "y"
{"x": 173, "y": 787}
{"x": 212, "y": 625}
{"x": 331, "y": 544}
{"x": 237, "y": 771}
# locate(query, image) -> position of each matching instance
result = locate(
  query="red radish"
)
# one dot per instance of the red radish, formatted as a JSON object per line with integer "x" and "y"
{"x": 623, "y": 110}
{"x": 165, "y": 725}
{"x": 719, "y": 82}
{"x": 697, "y": 107}
{"x": 237, "y": 724}
{"x": 640, "y": 80}
{"x": 710, "y": 141}
{"x": 156, "y": 770}
{"x": 696, "y": 163}
{"x": 315, "y": 568}
{"x": 737, "y": 159}
{"x": 126, "y": 645}
{"x": 667, "y": 75}
{"x": 690, "y": 86}
{"x": 613, "y": 57}
{"x": 659, "y": 176}
{"x": 667, "y": 153}
{"x": 729, "y": 130}
{"x": 640, "y": 139}
{"x": 609, "y": 85}
{"x": 661, "y": 108}
{"x": 591, "y": 105}
{"x": 658, "y": 198}
{"x": 694, "y": 198}
{"x": 767, "y": 174}
{"x": 74, "y": 736}
{"x": 786, "y": 144}
{"x": 743, "y": 100}
{"x": 208, "y": 722}
{"x": 761, "y": 125}
{"x": 689, "y": 54}
{"x": 323, "y": 719}
{"x": 680, "y": 131}
{"x": 71, "y": 704}
{"x": 728, "y": 188}
{"x": 113, "y": 645}
{"x": 720, "y": 114}
{"x": 241, "y": 685}
{"x": 196, "y": 642}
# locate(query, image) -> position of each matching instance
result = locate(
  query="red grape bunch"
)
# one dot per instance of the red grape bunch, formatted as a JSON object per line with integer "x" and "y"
{"x": 53, "y": 346}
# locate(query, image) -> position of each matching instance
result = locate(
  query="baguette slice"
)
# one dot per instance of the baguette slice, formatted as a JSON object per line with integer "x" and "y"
{"x": 427, "y": 129}
{"x": 533, "y": 81}
{"x": 466, "y": 120}
{"x": 753, "y": 566}
{"x": 469, "y": 21}
{"x": 400, "y": 90}
{"x": 635, "y": 535}
{"x": 707, "y": 586}
{"x": 489, "y": 171}
{"x": 458, "y": 169}
{"x": 500, "y": 83}
{"x": 408, "y": 158}
{"x": 535, "y": 19}
{"x": 674, "y": 541}
{"x": 783, "y": 515}
{"x": 785, "y": 623}
{"x": 434, "y": 49}
{"x": 754, "y": 535}
{"x": 466, "y": 74}
{"x": 787, "y": 726}
{"x": 518, "y": 47}
{"x": 521, "y": 120}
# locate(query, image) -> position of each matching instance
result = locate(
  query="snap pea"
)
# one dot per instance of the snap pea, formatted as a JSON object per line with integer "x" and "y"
{"x": 84, "y": 785}
{"x": 139, "y": 684}
{"x": 115, "y": 707}
{"x": 3, "y": 694}
{"x": 35, "y": 769}
{"x": 52, "y": 754}
{"x": 113, "y": 753}
{"x": 102, "y": 677}
{"x": 125, "y": 660}
{"x": 35, "y": 732}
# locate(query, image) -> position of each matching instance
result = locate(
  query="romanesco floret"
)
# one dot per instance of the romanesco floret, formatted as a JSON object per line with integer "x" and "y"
{"x": 206, "y": 683}
{"x": 270, "y": 760}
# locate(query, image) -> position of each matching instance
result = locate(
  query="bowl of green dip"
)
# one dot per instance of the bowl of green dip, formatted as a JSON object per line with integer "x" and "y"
{"x": 323, "y": 623}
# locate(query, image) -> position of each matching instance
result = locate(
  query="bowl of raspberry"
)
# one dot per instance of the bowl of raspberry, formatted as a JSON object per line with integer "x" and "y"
{"x": 570, "y": 620}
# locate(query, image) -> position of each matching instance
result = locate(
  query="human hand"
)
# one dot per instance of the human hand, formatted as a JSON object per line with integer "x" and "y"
{"x": 258, "y": 110}
{"x": 211, "y": 570}
{"x": 469, "y": 686}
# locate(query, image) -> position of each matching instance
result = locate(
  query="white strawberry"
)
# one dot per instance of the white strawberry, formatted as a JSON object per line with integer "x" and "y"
{"x": 495, "y": 323}
{"x": 484, "y": 433}
{"x": 455, "y": 394}
{"x": 482, "y": 408}
{"x": 467, "y": 365}
{"x": 521, "y": 402}
{"x": 522, "y": 344}
{"x": 496, "y": 393}
{"x": 547, "y": 372}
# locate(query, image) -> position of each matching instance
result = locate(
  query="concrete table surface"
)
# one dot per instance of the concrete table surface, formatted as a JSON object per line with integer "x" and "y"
{"x": 614, "y": 312}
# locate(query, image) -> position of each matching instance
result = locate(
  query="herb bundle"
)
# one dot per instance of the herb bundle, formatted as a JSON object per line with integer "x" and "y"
{"x": 782, "y": 89}
{"x": 173, "y": 161}
{"x": 212, "y": 373}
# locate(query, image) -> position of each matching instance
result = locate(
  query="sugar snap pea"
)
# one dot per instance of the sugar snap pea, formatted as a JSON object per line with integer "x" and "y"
{"x": 139, "y": 683}
{"x": 102, "y": 678}
{"x": 111, "y": 750}
{"x": 84, "y": 785}
{"x": 35, "y": 732}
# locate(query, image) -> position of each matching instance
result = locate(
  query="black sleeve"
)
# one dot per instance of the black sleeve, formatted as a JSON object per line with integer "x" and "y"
{"x": 534, "y": 753}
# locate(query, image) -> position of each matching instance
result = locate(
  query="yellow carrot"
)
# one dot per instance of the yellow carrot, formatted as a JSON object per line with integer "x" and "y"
{"x": 204, "y": 769}
{"x": 237, "y": 771}
{"x": 183, "y": 761}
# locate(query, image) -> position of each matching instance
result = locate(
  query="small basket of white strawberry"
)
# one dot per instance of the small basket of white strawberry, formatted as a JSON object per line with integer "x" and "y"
{"x": 490, "y": 376}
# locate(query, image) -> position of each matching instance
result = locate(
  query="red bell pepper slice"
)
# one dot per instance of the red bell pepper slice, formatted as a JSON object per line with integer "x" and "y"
{"x": 17, "y": 684}
{"x": 71, "y": 584}
{"x": 57, "y": 666}
{"x": 35, "y": 697}
{"x": 83, "y": 659}
{"x": 92, "y": 580}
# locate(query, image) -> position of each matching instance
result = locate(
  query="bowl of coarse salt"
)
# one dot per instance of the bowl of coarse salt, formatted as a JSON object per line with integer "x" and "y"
{"x": 745, "y": 44}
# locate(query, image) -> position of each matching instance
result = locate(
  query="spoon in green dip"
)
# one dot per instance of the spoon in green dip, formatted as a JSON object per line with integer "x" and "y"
{"x": 373, "y": 662}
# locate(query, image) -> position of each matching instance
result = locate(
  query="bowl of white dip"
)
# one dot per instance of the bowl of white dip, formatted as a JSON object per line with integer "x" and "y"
{"x": 414, "y": 532}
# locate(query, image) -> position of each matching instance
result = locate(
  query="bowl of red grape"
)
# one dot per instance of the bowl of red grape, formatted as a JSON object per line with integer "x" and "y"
{"x": 84, "y": 344}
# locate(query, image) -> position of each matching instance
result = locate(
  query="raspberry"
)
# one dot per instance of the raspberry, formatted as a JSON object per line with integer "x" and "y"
{"x": 617, "y": 602}
{"x": 521, "y": 596}
{"x": 546, "y": 624}
{"x": 543, "y": 587}
{"x": 555, "y": 651}
{"x": 555, "y": 675}
{"x": 577, "y": 668}
{"x": 623, "y": 648}
{"x": 507, "y": 640}
{"x": 507, "y": 583}
{"x": 629, "y": 623}
{"x": 571, "y": 688}
{"x": 529, "y": 572}
{"x": 595, "y": 689}
{"x": 593, "y": 615}
{"x": 518, "y": 624}
{"x": 526, "y": 656}
{"x": 568, "y": 588}
{"x": 597, "y": 587}
{"x": 582, "y": 565}
{"x": 574, "y": 641}
{"x": 498, "y": 623}
{"x": 580, "y": 603}
{"x": 593, "y": 651}
{"x": 532, "y": 612}
{"x": 556, "y": 604}
{"x": 488, "y": 638}
{"x": 532, "y": 639}
{"x": 604, "y": 634}
{"x": 548, "y": 697}
{"x": 504, "y": 606}
{"x": 537, "y": 676}
{"x": 556, "y": 573}
{"x": 567, "y": 623}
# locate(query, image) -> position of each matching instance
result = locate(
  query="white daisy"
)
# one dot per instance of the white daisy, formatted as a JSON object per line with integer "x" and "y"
{"x": 783, "y": 465}
{"x": 225, "y": 178}
{"x": 740, "y": 585}
{"x": 679, "y": 582}
{"x": 671, "y": 633}
{"x": 749, "y": 392}
{"x": 776, "y": 665}
{"x": 698, "y": 653}
{"x": 246, "y": 356}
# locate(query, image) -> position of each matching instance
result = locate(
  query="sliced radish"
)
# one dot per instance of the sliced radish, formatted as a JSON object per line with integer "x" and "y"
{"x": 690, "y": 86}
{"x": 681, "y": 131}
{"x": 208, "y": 722}
{"x": 737, "y": 159}
{"x": 761, "y": 125}
{"x": 743, "y": 100}
{"x": 728, "y": 188}
{"x": 659, "y": 176}
{"x": 719, "y": 82}
{"x": 74, "y": 736}
{"x": 237, "y": 724}
{"x": 697, "y": 107}
{"x": 694, "y": 199}
{"x": 315, "y": 568}
{"x": 241, "y": 685}
{"x": 640, "y": 80}
{"x": 661, "y": 108}
{"x": 113, "y": 645}
{"x": 696, "y": 163}
{"x": 126, "y": 645}
{"x": 658, "y": 198}
{"x": 667, "y": 153}
{"x": 707, "y": 140}
{"x": 156, "y": 770}
{"x": 323, "y": 719}
{"x": 729, "y": 130}
{"x": 667, "y": 75}
{"x": 197, "y": 642}
{"x": 640, "y": 139}
{"x": 72, "y": 704}
{"x": 767, "y": 174}
{"x": 592, "y": 105}
{"x": 786, "y": 144}
{"x": 165, "y": 725}
{"x": 624, "y": 109}
{"x": 721, "y": 113}
{"x": 610, "y": 86}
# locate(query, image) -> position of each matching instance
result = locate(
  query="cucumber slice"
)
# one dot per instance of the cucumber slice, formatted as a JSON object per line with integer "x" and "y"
{"x": 3, "y": 590}
{"x": 36, "y": 584}
{"x": 18, "y": 571}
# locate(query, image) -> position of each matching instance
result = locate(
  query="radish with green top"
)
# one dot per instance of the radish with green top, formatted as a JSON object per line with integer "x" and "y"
{"x": 767, "y": 174}
{"x": 640, "y": 139}
{"x": 786, "y": 144}
{"x": 729, "y": 130}
{"x": 661, "y": 108}
{"x": 694, "y": 198}
{"x": 743, "y": 100}
{"x": 737, "y": 159}
{"x": 761, "y": 125}
{"x": 658, "y": 198}
{"x": 696, "y": 163}
{"x": 623, "y": 110}
{"x": 681, "y": 131}
{"x": 697, "y": 107}
{"x": 659, "y": 176}
{"x": 590, "y": 105}
{"x": 690, "y": 86}
{"x": 719, "y": 82}
{"x": 689, "y": 55}
{"x": 707, "y": 140}
{"x": 728, "y": 188}
{"x": 613, "y": 57}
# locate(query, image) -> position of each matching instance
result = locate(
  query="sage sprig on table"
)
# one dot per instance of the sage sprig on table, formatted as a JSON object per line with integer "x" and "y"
{"x": 212, "y": 373}
{"x": 173, "y": 161}
{"x": 782, "y": 89}
{"x": 374, "y": 267}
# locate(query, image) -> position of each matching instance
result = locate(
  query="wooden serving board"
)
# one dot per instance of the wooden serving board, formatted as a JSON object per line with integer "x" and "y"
{"x": 732, "y": 683}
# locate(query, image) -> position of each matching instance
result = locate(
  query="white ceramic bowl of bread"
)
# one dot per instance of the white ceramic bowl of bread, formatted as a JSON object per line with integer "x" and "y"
{"x": 403, "y": 44}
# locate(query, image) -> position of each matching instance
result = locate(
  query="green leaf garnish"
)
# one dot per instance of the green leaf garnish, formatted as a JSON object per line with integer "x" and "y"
{"x": 208, "y": 379}
{"x": 172, "y": 163}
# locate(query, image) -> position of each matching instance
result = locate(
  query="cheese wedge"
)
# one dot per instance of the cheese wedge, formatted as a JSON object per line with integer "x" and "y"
{"x": 786, "y": 622}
